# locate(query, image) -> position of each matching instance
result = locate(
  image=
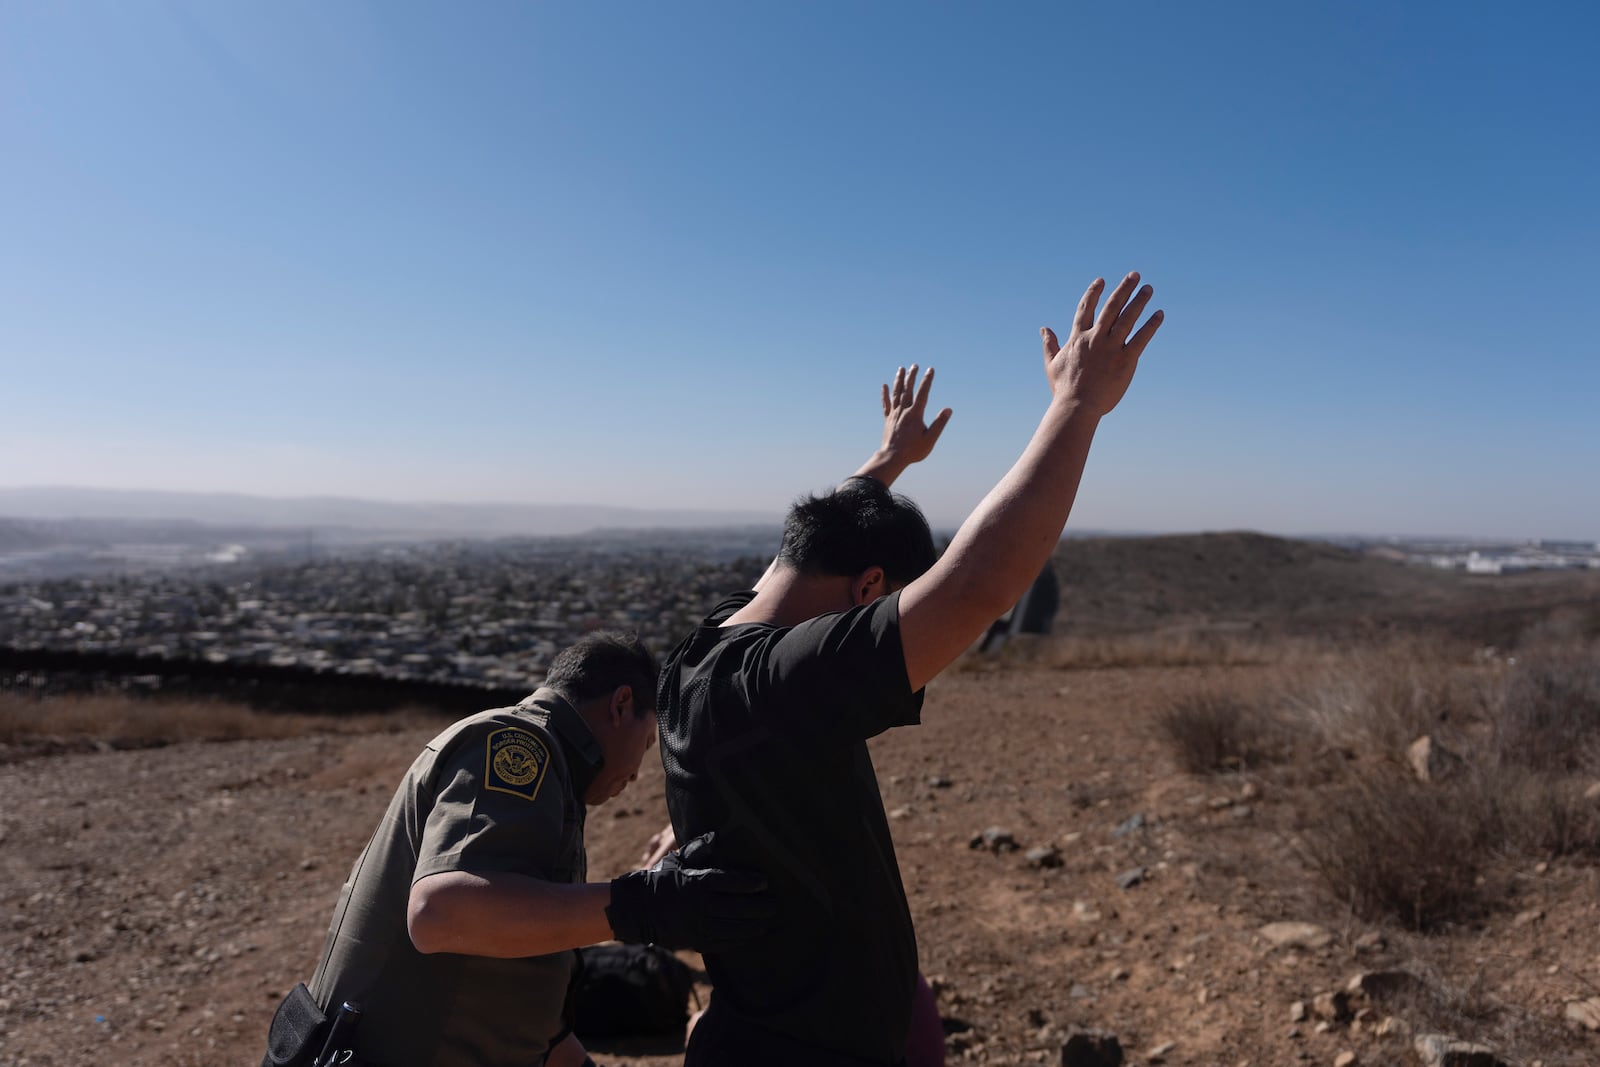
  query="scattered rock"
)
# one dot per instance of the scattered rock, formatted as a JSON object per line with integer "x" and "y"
{"x": 1438, "y": 1050}
{"x": 1392, "y": 1027}
{"x": 1334, "y": 1007}
{"x": 1525, "y": 918}
{"x": 1159, "y": 1052}
{"x": 1593, "y": 792}
{"x": 1296, "y": 935}
{"x": 1043, "y": 857}
{"x": 1297, "y": 1012}
{"x": 1085, "y": 912}
{"x": 1431, "y": 761}
{"x": 939, "y": 781}
{"x": 1371, "y": 941}
{"x": 1249, "y": 791}
{"x": 1129, "y": 825}
{"x": 994, "y": 839}
{"x": 1345, "y": 1059}
{"x": 1586, "y": 1013}
{"x": 902, "y": 812}
{"x": 1091, "y": 1048}
{"x": 1130, "y": 878}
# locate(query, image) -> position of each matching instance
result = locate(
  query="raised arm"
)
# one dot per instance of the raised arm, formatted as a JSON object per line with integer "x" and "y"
{"x": 1000, "y": 548}
{"x": 907, "y": 435}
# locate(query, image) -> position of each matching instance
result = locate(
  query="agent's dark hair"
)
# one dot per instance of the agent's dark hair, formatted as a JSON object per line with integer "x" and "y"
{"x": 601, "y": 661}
{"x": 861, "y": 524}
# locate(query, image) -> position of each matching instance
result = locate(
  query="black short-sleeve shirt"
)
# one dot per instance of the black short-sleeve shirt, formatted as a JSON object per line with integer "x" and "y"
{"x": 763, "y": 736}
{"x": 498, "y": 791}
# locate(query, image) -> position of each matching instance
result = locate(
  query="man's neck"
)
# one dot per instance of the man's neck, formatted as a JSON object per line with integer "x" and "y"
{"x": 787, "y": 598}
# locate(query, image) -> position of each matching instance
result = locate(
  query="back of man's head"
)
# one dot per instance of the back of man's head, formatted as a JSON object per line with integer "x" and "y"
{"x": 600, "y": 662}
{"x": 859, "y": 525}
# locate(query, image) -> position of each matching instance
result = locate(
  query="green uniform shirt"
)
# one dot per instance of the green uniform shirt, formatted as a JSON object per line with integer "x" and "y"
{"x": 498, "y": 791}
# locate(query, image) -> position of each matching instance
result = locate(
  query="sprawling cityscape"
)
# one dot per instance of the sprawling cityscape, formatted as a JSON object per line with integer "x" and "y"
{"x": 482, "y": 613}
{"x": 485, "y": 613}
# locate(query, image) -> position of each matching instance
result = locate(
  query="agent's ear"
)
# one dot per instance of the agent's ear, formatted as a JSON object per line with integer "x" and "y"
{"x": 869, "y": 585}
{"x": 621, "y": 704}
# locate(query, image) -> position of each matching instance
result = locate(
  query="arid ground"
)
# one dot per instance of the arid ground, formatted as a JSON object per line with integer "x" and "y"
{"x": 155, "y": 902}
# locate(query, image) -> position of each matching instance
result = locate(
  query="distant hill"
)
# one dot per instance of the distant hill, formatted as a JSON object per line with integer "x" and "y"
{"x": 348, "y": 515}
{"x": 1245, "y": 580}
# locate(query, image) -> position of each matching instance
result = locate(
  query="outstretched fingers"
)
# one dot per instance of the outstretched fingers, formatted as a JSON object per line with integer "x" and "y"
{"x": 1137, "y": 342}
{"x": 1083, "y": 320}
{"x": 920, "y": 404}
{"x": 1047, "y": 339}
{"x": 1130, "y": 314}
{"x": 1117, "y": 301}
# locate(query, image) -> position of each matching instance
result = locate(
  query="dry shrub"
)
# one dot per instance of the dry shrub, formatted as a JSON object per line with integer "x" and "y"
{"x": 1547, "y": 717}
{"x": 1396, "y": 849}
{"x": 1377, "y": 700}
{"x": 1215, "y": 732}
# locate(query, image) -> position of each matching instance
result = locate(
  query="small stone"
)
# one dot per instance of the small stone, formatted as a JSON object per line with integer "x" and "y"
{"x": 1586, "y": 1013}
{"x": 1380, "y": 985}
{"x": 1249, "y": 791}
{"x": 1119, "y": 974}
{"x": 1297, "y": 1012}
{"x": 1431, "y": 761}
{"x": 1439, "y": 1050}
{"x": 1160, "y": 1052}
{"x": 1043, "y": 857}
{"x": 905, "y": 811}
{"x": 1526, "y": 918}
{"x": 1085, "y": 912}
{"x": 1296, "y": 935}
{"x": 1130, "y": 878}
{"x": 308, "y": 865}
{"x": 1371, "y": 941}
{"x": 1593, "y": 792}
{"x": 995, "y": 839}
{"x": 1345, "y": 1059}
{"x": 1129, "y": 825}
{"x": 1391, "y": 1027}
{"x": 939, "y": 781}
{"x": 1323, "y": 1027}
{"x": 1091, "y": 1048}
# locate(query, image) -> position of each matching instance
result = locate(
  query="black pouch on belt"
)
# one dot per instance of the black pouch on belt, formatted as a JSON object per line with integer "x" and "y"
{"x": 297, "y": 1032}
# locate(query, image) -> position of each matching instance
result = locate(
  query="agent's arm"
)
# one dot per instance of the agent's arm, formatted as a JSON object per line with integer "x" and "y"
{"x": 681, "y": 902}
{"x": 1000, "y": 548}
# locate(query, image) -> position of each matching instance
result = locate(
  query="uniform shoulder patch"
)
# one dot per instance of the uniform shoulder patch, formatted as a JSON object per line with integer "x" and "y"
{"x": 515, "y": 763}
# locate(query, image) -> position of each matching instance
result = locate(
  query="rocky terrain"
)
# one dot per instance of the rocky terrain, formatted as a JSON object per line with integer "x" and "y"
{"x": 1072, "y": 863}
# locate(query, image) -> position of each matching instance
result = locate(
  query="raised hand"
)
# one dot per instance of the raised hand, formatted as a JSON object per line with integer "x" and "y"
{"x": 907, "y": 435}
{"x": 1097, "y": 363}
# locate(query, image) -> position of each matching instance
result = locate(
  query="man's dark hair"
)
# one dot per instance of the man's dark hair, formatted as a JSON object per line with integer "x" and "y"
{"x": 601, "y": 661}
{"x": 861, "y": 524}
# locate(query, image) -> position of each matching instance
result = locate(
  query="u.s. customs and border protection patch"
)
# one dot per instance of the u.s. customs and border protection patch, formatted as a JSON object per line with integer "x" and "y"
{"x": 515, "y": 763}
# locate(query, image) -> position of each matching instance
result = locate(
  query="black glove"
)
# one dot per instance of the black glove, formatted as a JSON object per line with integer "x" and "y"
{"x": 683, "y": 902}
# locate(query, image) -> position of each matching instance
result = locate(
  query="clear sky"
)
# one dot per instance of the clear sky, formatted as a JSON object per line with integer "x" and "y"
{"x": 663, "y": 254}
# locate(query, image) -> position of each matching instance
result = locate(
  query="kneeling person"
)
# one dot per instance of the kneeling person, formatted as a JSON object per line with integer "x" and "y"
{"x": 456, "y": 930}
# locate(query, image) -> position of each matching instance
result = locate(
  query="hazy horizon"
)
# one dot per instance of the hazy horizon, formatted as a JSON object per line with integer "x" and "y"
{"x": 376, "y": 513}
{"x": 661, "y": 258}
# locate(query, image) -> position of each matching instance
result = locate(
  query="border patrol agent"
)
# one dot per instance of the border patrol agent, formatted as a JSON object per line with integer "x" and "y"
{"x": 456, "y": 932}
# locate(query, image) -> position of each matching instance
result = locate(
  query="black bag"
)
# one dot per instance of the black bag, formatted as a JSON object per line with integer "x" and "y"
{"x": 630, "y": 991}
{"x": 297, "y": 1031}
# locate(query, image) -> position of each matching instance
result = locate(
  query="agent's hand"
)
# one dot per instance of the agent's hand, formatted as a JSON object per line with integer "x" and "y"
{"x": 1097, "y": 363}
{"x": 907, "y": 435}
{"x": 684, "y": 902}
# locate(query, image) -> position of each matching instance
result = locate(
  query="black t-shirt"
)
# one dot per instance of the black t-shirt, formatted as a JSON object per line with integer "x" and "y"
{"x": 763, "y": 735}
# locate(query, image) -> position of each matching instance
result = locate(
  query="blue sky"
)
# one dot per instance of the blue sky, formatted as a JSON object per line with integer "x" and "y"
{"x": 662, "y": 255}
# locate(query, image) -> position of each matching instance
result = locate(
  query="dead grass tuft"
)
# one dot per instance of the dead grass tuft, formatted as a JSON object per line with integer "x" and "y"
{"x": 126, "y": 722}
{"x": 1547, "y": 716}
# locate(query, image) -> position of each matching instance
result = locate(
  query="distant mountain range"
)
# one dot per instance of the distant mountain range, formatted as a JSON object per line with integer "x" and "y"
{"x": 326, "y": 515}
